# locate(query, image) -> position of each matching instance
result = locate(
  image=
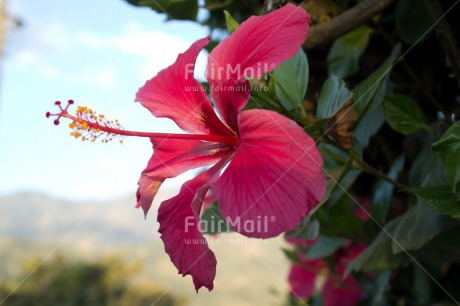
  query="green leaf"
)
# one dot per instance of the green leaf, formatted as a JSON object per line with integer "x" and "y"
{"x": 174, "y": 9}
{"x": 346, "y": 51}
{"x": 422, "y": 286}
{"x": 418, "y": 226}
{"x": 338, "y": 220}
{"x": 307, "y": 230}
{"x": 383, "y": 191}
{"x": 232, "y": 25}
{"x": 216, "y": 4}
{"x": 339, "y": 173}
{"x": 378, "y": 255}
{"x": 324, "y": 247}
{"x": 448, "y": 148}
{"x": 412, "y": 20}
{"x": 291, "y": 80}
{"x": 403, "y": 114}
{"x": 369, "y": 124}
{"x": 365, "y": 91}
{"x": 427, "y": 168}
{"x": 441, "y": 199}
{"x": 334, "y": 168}
{"x": 333, "y": 177}
{"x": 213, "y": 222}
{"x": 381, "y": 281}
{"x": 290, "y": 254}
{"x": 333, "y": 96}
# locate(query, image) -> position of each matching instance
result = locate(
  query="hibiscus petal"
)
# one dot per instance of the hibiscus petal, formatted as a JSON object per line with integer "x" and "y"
{"x": 274, "y": 178}
{"x": 302, "y": 277}
{"x": 259, "y": 45}
{"x": 146, "y": 192}
{"x": 340, "y": 292}
{"x": 180, "y": 232}
{"x": 174, "y": 93}
{"x": 173, "y": 157}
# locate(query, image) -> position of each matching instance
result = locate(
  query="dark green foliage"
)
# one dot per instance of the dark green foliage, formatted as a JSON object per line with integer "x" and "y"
{"x": 59, "y": 281}
{"x": 173, "y": 9}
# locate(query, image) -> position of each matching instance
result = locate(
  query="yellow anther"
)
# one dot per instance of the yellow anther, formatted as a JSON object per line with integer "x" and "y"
{"x": 90, "y": 126}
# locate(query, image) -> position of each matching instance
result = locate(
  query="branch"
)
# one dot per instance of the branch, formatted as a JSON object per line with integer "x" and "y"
{"x": 327, "y": 32}
{"x": 446, "y": 36}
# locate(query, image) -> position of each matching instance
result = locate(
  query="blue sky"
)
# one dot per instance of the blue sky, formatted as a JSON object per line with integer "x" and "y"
{"x": 97, "y": 53}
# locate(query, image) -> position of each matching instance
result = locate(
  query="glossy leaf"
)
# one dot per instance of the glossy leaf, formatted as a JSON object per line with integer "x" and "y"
{"x": 333, "y": 96}
{"x": 427, "y": 169}
{"x": 413, "y": 20}
{"x": 232, "y": 24}
{"x": 381, "y": 281}
{"x": 336, "y": 169}
{"x": 173, "y": 9}
{"x": 346, "y": 51}
{"x": 383, "y": 191}
{"x": 307, "y": 230}
{"x": 448, "y": 148}
{"x": 371, "y": 123}
{"x": 324, "y": 246}
{"x": 339, "y": 173}
{"x": 378, "y": 255}
{"x": 422, "y": 286}
{"x": 291, "y": 255}
{"x": 403, "y": 114}
{"x": 213, "y": 221}
{"x": 364, "y": 92}
{"x": 291, "y": 80}
{"x": 441, "y": 199}
{"x": 418, "y": 226}
{"x": 339, "y": 219}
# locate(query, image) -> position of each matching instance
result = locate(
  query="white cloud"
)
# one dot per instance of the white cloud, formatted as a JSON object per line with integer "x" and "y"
{"x": 152, "y": 50}
{"x": 88, "y": 58}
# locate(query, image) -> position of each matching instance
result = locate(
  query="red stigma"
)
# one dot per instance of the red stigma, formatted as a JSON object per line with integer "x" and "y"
{"x": 63, "y": 111}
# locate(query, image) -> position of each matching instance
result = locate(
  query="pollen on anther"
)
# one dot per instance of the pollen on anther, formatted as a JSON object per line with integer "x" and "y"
{"x": 87, "y": 124}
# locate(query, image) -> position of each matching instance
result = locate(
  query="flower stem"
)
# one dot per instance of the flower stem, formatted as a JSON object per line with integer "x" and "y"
{"x": 377, "y": 173}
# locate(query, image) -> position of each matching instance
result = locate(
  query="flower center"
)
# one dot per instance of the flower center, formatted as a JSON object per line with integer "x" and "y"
{"x": 91, "y": 126}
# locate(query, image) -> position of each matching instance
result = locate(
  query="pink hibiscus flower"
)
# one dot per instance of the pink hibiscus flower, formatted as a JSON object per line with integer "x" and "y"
{"x": 336, "y": 291}
{"x": 263, "y": 164}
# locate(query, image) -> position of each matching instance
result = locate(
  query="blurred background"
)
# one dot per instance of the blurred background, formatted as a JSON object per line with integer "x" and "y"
{"x": 69, "y": 232}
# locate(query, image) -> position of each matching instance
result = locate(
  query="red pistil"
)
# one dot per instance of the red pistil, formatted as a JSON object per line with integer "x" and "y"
{"x": 96, "y": 125}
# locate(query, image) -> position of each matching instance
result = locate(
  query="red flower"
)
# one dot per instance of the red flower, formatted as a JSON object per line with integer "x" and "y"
{"x": 336, "y": 290}
{"x": 273, "y": 168}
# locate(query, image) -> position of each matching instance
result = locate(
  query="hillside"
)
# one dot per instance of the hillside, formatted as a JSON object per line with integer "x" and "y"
{"x": 34, "y": 225}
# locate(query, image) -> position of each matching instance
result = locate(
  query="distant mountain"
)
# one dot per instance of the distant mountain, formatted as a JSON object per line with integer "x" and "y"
{"x": 41, "y": 218}
{"x": 34, "y": 225}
